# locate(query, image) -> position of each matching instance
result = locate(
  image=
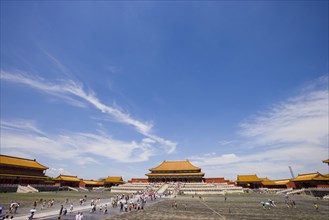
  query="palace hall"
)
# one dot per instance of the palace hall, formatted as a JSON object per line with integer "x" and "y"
{"x": 174, "y": 171}
{"x": 16, "y": 170}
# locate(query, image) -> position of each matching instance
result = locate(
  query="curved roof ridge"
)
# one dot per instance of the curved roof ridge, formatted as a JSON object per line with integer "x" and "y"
{"x": 305, "y": 174}
{"x": 188, "y": 161}
{"x": 114, "y": 179}
{"x": 175, "y": 165}
{"x": 67, "y": 175}
{"x": 22, "y": 162}
{"x": 248, "y": 178}
{"x": 67, "y": 178}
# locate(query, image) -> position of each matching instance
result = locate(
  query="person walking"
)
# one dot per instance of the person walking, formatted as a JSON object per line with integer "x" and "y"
{"x": 77, "y": 216}
{"x": 64, "y": 211}
{"x": 31, "y": 214}
{"x": 61, "y": 210}
{"x": 316, "y": 206}
{"x": 81, "y": 216}
{"x": 35, "y": 205}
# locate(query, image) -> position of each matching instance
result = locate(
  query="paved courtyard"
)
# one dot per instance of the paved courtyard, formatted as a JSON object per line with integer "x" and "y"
{"x": 236, "y": 207}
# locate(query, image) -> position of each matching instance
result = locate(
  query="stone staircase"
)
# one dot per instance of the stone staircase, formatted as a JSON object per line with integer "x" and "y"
{"x": 100, "y": 189}
{"x": 26, "y": 189}
{"x": 298, "y": 191}
{"x": 163, "y": 188}
{"x": 285, "y": 191}
{"x": 73, "y": 189}
{"x": 82, "y": 189}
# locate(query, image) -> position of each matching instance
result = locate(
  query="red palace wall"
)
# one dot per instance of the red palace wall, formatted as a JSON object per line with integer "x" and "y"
{"x": 216, "y": 180}
{"x": 138, "y": 180}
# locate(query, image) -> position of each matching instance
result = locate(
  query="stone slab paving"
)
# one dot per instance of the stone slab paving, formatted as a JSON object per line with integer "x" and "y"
{"x": 53, "y": 212}
{"x": 237, "y": 207}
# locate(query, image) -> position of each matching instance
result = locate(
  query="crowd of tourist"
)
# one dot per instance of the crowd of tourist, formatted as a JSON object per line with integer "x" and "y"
{"x": 122, "y": 202}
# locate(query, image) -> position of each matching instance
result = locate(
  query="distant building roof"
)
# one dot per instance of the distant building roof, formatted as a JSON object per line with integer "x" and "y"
{"x": 248, "y": 178}
{"x": 176, "y": 165}
{"x": 21, "y": 162}
{"x": 67, "y": 178}
{"x": 310, "y": 176}
{"x": 326, "y": 161}
{"x": 268, "y": 183}
{"x": 114, "y": 179}
{"x": 265, "y": 179}
{"x": 275, "y": 182}
{"x": 282, "y": 182}
{"x": 93, "y": 182}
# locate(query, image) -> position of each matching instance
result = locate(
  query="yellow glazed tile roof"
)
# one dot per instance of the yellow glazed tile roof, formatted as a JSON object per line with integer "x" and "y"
{"x": 322, "y": 178}
{"x": 248, "y": 178}
{"x": 92, "y": 182}
{"x": 268, "y": 183}
{"x": 175, "y": 174}
{"x": 114, "y": 179}
{"x": 275, "y": 182}
{"x": 326, "y": 161}
{"x": 282, "y": 182}
{"x": 67, "y": 178}
{"x": 309, "y": 177}
{"x": 175, "y": 165}
{"x": 21, "y": 162}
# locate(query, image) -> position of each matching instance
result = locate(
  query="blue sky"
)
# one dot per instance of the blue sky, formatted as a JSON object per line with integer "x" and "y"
{"x": 96, "y": 89}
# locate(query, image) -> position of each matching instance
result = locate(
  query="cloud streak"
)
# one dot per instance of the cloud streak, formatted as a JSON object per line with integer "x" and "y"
{"x": 81, "y": 148}
{"x": 21, "y": 126}
{"x": 74, "y": 92}
{"x": 302, "y": 119}
{"x": 55, "y": 172}
{"x": 293, "y": 132}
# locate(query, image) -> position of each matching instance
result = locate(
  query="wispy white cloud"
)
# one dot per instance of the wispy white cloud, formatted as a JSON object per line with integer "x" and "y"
{"x": 293, "y": 132}
{"x": 112, "y": 69}
{"x": 302, "y": 119}
{"x": 63, "y": 69}
{"x": 74, "y": 92}
{"x": 225, "y": 142}
{"x": 21, "y": 126}
{"x": 213, "y": 159}
{"x": 271, "y": 163}
{"x": 80, "y": 148}
{"x": 55, "y": 172}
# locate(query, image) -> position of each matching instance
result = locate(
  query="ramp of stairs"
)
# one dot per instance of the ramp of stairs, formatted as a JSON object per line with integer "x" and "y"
{"x": 83, "y": 189}
{"x": 285, "y": 191}
{"x": 163, "y": 188}
{"x": 26, "y": 189}
{"x": 73, "y": 189}
{"x": 298, "y": 191}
